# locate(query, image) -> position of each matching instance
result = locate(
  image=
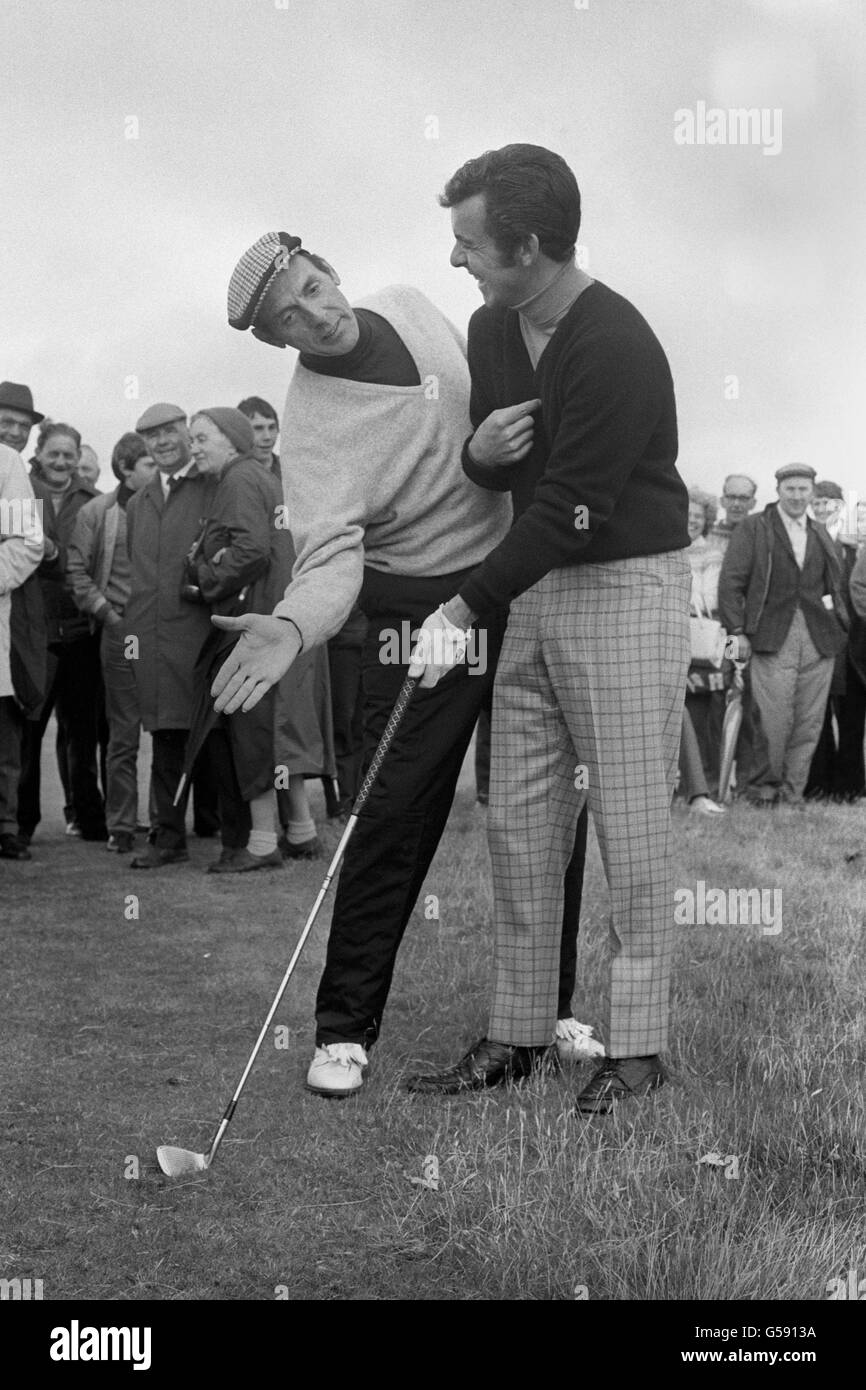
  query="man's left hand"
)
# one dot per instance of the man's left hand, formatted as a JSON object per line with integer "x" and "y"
{"x": 441, "y": 644}
{"x": 261, "y": 658}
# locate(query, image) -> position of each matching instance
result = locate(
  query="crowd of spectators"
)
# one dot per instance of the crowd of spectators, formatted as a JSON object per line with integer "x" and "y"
{"x": 105, "y": 607}
{"x": 787, "y": 592}
{"x": 105, "y": 622}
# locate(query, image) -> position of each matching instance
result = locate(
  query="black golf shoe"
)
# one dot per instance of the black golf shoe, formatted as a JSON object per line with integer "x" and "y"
{"x": 486, "y": 1064}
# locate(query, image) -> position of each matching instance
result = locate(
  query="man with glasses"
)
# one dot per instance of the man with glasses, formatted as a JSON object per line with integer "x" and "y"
{"x": 738, "y": 499}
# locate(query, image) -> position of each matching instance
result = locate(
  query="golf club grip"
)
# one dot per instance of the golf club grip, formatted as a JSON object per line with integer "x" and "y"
{"x": 407, "y": 690}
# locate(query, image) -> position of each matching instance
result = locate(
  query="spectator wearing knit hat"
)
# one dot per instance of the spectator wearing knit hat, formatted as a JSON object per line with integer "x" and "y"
{"x": 837, "y": 770}
{"x": 308, "y": 714}
{"x": 243, "y": 564}
{"x": 780, "y": 592}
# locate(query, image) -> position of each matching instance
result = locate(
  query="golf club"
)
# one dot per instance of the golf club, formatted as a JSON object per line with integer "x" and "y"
{"x": 176, "y": 1163}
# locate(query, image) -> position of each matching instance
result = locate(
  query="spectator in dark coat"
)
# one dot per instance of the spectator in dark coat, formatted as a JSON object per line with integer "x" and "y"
{"x": 837, "y": 769}
{"x": 74, "y": 685}
{"x": 20, "y": 553}
{"x": 244, "y": 566}
{"x": 332, "y": 732}
{"x": 163, "y": 521}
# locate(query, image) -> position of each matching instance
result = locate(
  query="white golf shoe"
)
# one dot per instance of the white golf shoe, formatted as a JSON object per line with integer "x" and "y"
{"x": 575, "y": 1043}
{"x": 337, "y": 1070}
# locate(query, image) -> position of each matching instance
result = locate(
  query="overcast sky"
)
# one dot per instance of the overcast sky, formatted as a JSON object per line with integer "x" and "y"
{"x": 340, "y": 120}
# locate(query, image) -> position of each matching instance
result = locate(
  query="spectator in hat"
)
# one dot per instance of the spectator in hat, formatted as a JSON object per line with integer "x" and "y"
{"x": 21, "y": 544}
{"x": 98, "y": 574}
{"x": 243, "y": 565}
{"x": 74, "y": 684}
{"x": 17, "y": 415}
{"x": 837, "y": 769}
{"x": 22, "y": 637}
{"x": 780, "y": 593}
{"x": 306, "y": 711}
{"x": 163, "y": 521}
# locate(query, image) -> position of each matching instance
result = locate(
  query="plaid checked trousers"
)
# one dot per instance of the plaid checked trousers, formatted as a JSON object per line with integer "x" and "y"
{"x": 588, "y": 704}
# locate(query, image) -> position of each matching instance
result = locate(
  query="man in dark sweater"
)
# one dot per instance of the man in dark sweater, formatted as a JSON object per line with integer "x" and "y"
{"x": 780, "y": 592}
{"x": 589, "y": 689}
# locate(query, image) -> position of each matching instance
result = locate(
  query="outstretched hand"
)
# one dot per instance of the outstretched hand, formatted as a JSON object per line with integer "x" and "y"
{"x": 266, "y": 650}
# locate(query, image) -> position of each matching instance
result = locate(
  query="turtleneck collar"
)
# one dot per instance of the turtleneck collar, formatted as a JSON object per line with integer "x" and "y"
{"x": 540, "y": 315}
{"x": 544, "y": 309}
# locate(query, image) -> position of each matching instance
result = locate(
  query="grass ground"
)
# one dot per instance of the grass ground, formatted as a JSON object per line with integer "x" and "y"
{"x": 121, "y": 1033}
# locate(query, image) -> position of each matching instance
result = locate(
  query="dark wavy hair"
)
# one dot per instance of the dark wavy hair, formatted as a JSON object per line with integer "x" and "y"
{"x": 127, "y": 451}
{"x": 255, "y": 405}
{"x": 527, "y": 189}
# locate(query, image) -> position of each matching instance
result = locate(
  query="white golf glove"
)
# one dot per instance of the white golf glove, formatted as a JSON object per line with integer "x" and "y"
{"x": 440, "y": 647}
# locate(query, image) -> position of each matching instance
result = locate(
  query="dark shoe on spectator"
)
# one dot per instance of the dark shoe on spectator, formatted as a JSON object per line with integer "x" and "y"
{"x": 25, "y": 836}
{"x": 226, "y": 854}
{"x": 308, "y": 849}
{"x": 240, "y": 861}
{"x": 13, "y": 847}
{"x": 153, "y": 858}
{"x": 121, "y": 843}
{"x": 486, "y": 1064}
{"x": 618, "y": 1078}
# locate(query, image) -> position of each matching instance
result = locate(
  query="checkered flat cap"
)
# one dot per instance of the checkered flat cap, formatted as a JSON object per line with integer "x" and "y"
{"x": 253, "y": 274}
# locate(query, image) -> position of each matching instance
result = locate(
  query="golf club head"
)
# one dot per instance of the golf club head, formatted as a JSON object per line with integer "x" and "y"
{"x": 177, "y": 1163}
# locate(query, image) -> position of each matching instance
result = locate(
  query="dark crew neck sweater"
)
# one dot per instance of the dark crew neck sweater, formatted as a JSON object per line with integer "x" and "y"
{"x": 605, "y": 440}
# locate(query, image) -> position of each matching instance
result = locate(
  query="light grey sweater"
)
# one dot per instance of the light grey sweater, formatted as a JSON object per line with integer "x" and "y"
{"x": 372, "y": 474}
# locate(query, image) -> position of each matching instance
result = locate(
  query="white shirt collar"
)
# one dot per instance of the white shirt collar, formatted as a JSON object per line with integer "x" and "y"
{"x": 165, "y": 478}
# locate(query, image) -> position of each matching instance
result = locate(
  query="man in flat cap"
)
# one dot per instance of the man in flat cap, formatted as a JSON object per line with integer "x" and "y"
{"x": 382, "y": 514}
{"x": 780, "y": 593}
{"x": 163, "y": 521}
{"x": 837, "y": 770}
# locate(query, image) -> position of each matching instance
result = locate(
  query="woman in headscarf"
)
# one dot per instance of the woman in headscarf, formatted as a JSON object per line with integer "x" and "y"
{"x": 242, "y": 564}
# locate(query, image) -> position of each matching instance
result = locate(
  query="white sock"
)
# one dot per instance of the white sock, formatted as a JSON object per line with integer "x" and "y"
{"x": 261, "y": 843}
{"x": 299, "y": 831}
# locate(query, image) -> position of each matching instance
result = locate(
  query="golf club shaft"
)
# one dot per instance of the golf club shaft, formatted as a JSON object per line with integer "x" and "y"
{"x": 406, "y": 691}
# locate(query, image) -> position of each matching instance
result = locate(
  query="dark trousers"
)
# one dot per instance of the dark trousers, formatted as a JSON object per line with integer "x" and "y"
{"x": 838, "y": 770}
{"x": 11, "y": 725}
{"x": 121, "y": 701}
{"x": 234, "y": 812}
{"x": 168, "y": 828}
{"x": 74, "y": 686}
{"x": 398, "y": 831}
